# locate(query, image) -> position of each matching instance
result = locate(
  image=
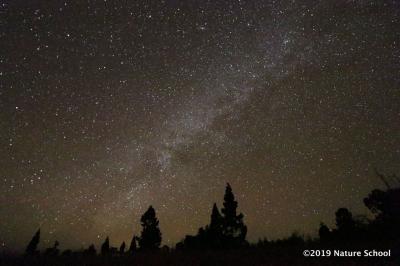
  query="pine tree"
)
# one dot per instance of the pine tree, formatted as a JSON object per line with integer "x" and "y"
{"x": 216, "y": 219}
{"x": 32, "y": 246}
{"x": 213, "y": 236}
{"x": 122, "y": 248}
{"x": 105, "y": 247}
{"x": 150, "y": 238}
{"x": 132, "y": 247}
{"x": 233, "y": 228}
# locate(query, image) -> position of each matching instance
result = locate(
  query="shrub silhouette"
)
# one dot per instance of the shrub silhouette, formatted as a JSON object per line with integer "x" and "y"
{"x": 53, "y": 251}
{"x": 90, "y": 251}
{"x": 325, "y": 234}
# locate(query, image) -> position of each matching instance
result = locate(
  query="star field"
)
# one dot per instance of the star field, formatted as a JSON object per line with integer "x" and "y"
{"x": 110, "y": 106}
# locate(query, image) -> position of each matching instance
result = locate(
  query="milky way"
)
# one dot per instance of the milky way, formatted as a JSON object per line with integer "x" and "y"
{"x": 108, "y": 107}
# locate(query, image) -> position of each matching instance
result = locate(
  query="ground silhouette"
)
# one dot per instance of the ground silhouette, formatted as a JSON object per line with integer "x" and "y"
{"x": 223, "y": 240}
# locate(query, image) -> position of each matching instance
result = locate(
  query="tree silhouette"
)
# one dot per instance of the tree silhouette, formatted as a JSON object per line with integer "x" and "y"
{"x": 376, "y": 202}
{"x": 324, "y": 233}
{"x": 216, "y": 219}
{"x": 122, "y": 248}
{"x": 386, "y": 207}
{"x": 133, "y": 247}
{"x": 233, "y": 228}
{"x": 212, "y": 236}
{"x": 90, "y": 251}
{"x": 224, "y": 231}
{"x": 105, "y": 247}
{"x": 345, "y": 226}
{"x": 150, "y": 238}
{"x": 32, "y": 246}
{"x": 384, "y": 204}
{"x": 344, "y": 220}
{"x": 53, "y": 251}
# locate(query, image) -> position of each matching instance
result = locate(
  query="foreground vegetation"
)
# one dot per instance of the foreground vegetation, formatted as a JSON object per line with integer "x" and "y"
{"x": 223, "y": 241}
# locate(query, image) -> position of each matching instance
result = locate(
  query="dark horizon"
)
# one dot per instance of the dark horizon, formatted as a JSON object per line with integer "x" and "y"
{"x": 109, "y": 107}
{"x": 98, "y": 242}
{"x": 361, "y": 224}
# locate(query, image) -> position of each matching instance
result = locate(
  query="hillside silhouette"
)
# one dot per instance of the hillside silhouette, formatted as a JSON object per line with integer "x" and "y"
{"x": 223, "y": 240}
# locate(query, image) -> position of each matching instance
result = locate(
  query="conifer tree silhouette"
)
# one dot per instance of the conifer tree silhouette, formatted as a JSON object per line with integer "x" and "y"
{"x": 105, "y": 247}
{"x": 150, "y": 238}
{"x": 233, "y": 228}
{"x": 224, "y": 231}
{"x": 32, "y": 246}
{"x": 216, "y": 219}
{"x": 208, "y": 237}
{"x": 122, "y": 248}
{"x": 213, "y": 234}
{"x": 133, "y": 247}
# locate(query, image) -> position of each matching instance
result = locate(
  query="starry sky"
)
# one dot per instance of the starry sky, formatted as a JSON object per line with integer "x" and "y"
{"x": 110, "y": 106}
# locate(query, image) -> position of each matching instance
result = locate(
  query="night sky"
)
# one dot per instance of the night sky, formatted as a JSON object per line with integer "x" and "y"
{"x": 110, "y": 106}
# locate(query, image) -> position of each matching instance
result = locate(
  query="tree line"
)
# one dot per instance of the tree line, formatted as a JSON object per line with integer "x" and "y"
{"x": 227, "y": 230}
{"x": 150, "y": 239}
